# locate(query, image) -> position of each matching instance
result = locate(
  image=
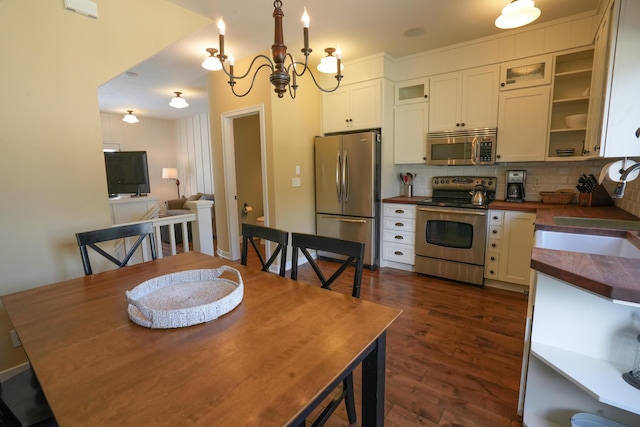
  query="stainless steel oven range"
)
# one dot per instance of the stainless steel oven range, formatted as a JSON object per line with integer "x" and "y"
{"x": 451, "y": 228}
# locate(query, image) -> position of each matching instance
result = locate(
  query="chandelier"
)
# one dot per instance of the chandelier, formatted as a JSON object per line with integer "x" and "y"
{"x": 284, "y": 68}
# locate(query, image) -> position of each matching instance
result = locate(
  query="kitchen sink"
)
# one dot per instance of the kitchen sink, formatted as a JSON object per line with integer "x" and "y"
{"x": 586, "y": 243}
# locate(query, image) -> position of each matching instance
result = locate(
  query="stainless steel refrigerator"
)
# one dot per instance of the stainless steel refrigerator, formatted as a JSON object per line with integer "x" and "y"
{"x": 347, "y": 168}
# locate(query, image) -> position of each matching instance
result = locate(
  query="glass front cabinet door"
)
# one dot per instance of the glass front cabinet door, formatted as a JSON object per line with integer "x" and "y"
{"x": 412, "y": 91}
{"x": 526, "y": 72}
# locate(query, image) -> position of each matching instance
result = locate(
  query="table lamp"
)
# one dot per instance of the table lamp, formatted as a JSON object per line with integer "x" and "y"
{"x": 172, "y": 173}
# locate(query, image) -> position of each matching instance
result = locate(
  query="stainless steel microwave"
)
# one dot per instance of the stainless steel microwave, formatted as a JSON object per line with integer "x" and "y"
{"x": 462, "y": 147}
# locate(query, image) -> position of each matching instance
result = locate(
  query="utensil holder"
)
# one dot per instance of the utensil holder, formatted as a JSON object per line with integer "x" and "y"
{"x": 598, "y": 197}
{"x": 407, "y": 190}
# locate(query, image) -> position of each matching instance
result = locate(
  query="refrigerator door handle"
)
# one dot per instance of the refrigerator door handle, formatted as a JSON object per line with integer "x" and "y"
{"x": 356, "y": 221}
{"x": 338, "y": 180}
{"x": 345, "y": 177}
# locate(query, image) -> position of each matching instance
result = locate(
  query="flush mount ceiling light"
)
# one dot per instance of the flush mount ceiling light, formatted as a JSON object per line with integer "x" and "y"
{"x": 329, "y": 64}
{"x": 284, "y": 68}
{"x": 211, "y": 62}
{"x": 517, "y": 14}
{"x": 178, "y": 102}
{"x": 130, "y": 117}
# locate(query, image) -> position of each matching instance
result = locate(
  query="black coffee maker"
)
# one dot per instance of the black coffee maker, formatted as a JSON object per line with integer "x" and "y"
{"x": 515, "y": 186}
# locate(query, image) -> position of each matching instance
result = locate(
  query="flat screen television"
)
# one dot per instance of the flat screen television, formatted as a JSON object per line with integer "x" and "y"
{"x": 127, "y": 172}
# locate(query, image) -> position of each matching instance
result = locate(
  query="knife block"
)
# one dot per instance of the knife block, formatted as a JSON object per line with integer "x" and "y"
{"x": 598, "y": 197}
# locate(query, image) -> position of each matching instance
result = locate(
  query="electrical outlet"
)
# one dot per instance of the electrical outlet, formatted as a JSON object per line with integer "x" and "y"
{"x": 15, "y": 340}
{"x": 295, "y": 182}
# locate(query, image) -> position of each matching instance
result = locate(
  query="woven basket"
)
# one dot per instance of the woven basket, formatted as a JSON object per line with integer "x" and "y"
{"x": 183, "y": 299}
{"x": 560, "y": 196}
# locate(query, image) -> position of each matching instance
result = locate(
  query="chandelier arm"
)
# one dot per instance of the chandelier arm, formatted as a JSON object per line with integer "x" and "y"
{"x": 293, "y": 62}
{"x": 253, "y": 80}
{"x": 338, "y": 77}
{"x": 270, "y": 65}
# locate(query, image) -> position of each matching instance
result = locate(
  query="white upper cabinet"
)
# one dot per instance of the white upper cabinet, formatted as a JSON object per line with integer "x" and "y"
{"x": 621, "y": 120}
{"x": 526, "y": 72}
{"x": 523, "y": 124}
{"x": 464, "y": 100}
{"x": 412, "y": 91}
{"x": 353, "y": 107}
{"x": 411, "y": 123}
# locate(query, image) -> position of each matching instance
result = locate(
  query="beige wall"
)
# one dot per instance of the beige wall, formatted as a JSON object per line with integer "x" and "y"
{"x": 290, "y": 126}
{"x": 51, "y": 167}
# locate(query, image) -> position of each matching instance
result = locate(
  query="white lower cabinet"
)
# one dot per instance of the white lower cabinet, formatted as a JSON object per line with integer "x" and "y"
{"x": 581, "y": 344}
{"x": 398, "y": 233}
{"x": 509, "y": 244}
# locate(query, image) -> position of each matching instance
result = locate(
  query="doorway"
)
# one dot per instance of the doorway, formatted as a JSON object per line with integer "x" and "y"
{"x": 244, "y": 152}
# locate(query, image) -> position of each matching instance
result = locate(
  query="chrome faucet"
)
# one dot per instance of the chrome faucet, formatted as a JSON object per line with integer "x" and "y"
{"x": 618, "y": 192}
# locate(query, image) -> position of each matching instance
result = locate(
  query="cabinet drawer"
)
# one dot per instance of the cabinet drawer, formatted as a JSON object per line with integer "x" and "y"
{"x": 400, "y": 237}
{"x": 492, "y": 258}
{"x": 399, "y": 211}
{"x": 494, "y": 245}
{"x": 398, "y": 253}
{"x": 495, "y": 232}
{"x": 496, "y": 217}
{"x": 491, "y": 271}
{"x": 400, "y": 224}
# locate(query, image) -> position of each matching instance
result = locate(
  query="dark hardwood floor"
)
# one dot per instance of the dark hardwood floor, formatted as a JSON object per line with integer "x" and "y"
{"x": 453, "y": 357}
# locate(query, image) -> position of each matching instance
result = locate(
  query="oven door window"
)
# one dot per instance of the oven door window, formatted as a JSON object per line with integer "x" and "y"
{"x": 449, "y": 234}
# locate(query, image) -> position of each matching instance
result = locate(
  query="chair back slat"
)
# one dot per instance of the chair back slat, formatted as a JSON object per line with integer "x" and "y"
{"x": 250, "y": 232}
{"x": 352, "y": 251}
{"x": 91, "y": 238}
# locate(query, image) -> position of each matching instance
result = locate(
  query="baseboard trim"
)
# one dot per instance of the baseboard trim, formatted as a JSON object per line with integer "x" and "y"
{"x": 5, "y": 375}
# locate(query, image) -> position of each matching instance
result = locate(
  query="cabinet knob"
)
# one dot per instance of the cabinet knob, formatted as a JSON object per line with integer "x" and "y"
{"x": 462, "y": 124}
{"x": 491, "y": 272}
{"x": 458, "y": 124}
{"x": 424, "y": 158}
{"x": 498, "y": 156}
{"x": 503, "y": 84}
{"x": 426, "y": 96}
{"x": 399, "y": 211}
{"x": 399, "y": 224}
{"x": 493, "y": 245}
{"x": 398, "y": 253}
{"x": 495, "y": 217}
{"x": 494, "y": 231}
{"x": 638, "y": 133}
{"x": 493, "y": 258}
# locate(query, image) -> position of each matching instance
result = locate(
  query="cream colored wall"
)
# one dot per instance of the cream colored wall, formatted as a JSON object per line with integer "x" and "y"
{"x": 290, "y": 128}
{"x": 295, "y": 124}
{"x": 221, "y": 100}
{"x": 51, "y": 167}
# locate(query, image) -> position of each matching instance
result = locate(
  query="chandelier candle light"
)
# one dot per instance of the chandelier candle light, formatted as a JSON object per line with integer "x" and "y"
{"x": 283, "y": 74}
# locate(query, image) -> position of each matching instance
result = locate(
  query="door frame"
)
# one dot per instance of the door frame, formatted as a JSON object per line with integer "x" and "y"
{"x": 229, "y": 161}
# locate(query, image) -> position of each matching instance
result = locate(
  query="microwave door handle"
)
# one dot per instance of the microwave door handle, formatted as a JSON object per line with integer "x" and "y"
{"x": 345, "y": 177}
{"x": 338, "y": 180}
{"x": 476, "y": 150}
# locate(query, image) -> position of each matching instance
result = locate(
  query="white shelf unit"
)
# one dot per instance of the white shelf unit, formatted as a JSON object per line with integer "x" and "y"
{"x": 581, "y": 344}
{"x": 571, "y": 95}
{"x": 398, "y": 233}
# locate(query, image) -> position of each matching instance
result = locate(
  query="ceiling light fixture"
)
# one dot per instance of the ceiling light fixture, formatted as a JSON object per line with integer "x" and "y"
{"x": 518, "y": 13}
{"x": 211, "y": 62}
{"x": 329, "y": 64}
{"x": 283, "y": 73}
{"x": 178, "y": 102}
{"x": 130, "y": 117}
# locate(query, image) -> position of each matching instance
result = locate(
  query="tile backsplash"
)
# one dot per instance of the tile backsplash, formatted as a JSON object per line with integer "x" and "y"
{"x": 547, "y": 176}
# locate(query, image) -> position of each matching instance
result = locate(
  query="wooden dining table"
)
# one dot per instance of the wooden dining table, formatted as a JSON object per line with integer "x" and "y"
{"x": 268, "y": 362}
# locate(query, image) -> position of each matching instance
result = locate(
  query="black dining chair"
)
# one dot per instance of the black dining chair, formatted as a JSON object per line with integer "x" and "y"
{"x": 91, "y": 238}
{"x": 349, "y": 250}
{"x": 251, "y": 232}
{"x": 352, "y": 252}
